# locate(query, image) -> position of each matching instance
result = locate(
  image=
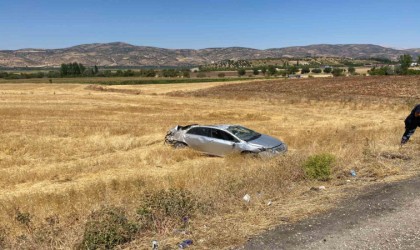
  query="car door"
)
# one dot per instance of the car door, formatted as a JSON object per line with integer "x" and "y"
{"x": 222, "y": 143}
{"x": 198, "y": 138}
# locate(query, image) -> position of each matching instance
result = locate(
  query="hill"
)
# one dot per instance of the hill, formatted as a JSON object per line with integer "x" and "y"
{"x": 126, "y": 55}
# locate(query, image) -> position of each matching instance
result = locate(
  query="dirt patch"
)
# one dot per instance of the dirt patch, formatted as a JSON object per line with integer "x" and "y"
{"x": 104, "y": 89}
{"x": 391, "y": 155}
{"x": 337, "y": 88}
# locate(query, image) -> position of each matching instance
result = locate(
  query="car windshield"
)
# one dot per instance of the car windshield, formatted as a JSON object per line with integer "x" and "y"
{"x": 243, "y": 133}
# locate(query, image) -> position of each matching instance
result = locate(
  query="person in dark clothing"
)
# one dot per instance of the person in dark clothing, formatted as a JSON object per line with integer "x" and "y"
{"x": 411, "y": 123}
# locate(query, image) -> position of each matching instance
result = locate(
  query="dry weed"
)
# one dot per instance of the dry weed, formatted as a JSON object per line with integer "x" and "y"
{"x": 67, "y": 151}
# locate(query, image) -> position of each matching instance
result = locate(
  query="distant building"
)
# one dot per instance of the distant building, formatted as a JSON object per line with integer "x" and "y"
{"x": 413, "y": 64}
{"x": 195, "y": 69}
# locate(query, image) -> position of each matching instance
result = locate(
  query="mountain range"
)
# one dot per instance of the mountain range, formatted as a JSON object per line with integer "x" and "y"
{"x": 120, "y": 54}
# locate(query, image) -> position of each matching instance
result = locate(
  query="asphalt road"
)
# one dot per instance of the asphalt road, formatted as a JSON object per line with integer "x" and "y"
{"x": 385, "y": 217}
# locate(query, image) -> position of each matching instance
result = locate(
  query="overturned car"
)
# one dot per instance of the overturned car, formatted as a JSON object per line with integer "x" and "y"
{"x": 221, "y": 140}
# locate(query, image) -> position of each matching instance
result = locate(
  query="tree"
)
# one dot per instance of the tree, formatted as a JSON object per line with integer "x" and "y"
{"x": 272, "y": 70}
{"x": 186, "y": 73}
{"x": 241, "y": 72}
{"x": 378, "y": 71}
{"x": 64, "y": 70}
{"x": 418, "y": 60}
{"x": 95, "y": 70}
{"x": 170, "y": 73}
{"x": 256, "y": 72}
{"x": 305, "y": 70}
{"x": 405, "y": 62}
{"x": 4, "y": 75}
{"x": 128, "y": 73}
{"x": 89, "y": 72}
{"x": 292, "y": 70}
{"x": 264, "y": 70}
{"x": 82, "y": 68}
{"x": 316, "y": 70}
{"x": 327, "y": 70}
{"x": 75, "y": 69}
{"x": 337, "y": 72}
{"x": 352, "y": 70}
{"x": 106, "y": 73}
{"x": 54, "y": 74}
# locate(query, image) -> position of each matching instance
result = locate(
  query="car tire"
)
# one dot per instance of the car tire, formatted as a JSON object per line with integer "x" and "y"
{"x": 249, "y": 153}
{"x": 179, "y": 144}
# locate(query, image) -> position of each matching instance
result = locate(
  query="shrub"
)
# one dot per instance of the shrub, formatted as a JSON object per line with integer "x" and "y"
{"x": 165, "y": 208}
{"x": 186, "y": 73}
{"x": 241, "y": 72}
{"x": 201, "y": 75}
{"x": 292, "y": 70}
{"x": 318, "y": 166}
{"x": 385, "y": 70}
{"x": 327, "y": 70}
{"x": 221, "y": 75}
{"x": 169, "y": 73}
{"x": 337, "y": 72}
{"x": 316, "y": 70}
{"x": 305, "y": 70}
{"x": 107, "y": 228}
{"x": 23, "y": 218}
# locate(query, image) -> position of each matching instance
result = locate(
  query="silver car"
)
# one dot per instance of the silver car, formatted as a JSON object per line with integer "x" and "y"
{"x": 221, "y": 140}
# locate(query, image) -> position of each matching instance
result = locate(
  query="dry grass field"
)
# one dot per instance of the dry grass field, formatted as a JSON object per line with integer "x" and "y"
{"x": 70, "y": 149}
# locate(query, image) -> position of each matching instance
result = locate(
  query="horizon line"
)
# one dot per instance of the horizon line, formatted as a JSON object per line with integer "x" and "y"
{"x": 116, "y": 42}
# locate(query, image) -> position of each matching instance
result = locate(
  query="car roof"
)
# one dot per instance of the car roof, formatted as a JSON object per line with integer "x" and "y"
{"x": 219, "y": 126}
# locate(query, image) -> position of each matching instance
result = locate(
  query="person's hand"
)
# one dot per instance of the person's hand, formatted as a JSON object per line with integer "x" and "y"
{"x": 404, "y": 140}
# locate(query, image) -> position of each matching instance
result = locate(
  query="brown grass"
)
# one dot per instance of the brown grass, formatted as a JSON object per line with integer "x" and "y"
{"x": 67, "y": 151}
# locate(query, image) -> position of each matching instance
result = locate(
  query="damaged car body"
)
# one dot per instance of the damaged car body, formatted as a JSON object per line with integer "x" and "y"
{"x": 221, "y": 140}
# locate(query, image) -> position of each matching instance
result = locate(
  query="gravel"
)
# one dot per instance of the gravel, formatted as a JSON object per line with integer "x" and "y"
{"x": 385, "y": 217}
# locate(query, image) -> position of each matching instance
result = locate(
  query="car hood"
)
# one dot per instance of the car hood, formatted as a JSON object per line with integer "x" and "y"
{"x": 266, "y": 141}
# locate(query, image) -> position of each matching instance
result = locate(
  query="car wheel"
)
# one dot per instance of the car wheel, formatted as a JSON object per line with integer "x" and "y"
{"x": 249, "y": 153}
{"x": 179, "y": 144}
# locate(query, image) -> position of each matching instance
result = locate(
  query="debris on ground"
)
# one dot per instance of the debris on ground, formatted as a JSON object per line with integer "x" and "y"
{"x": 247, "y": 198}
{"x": 155, "y": 245}
{"x": 353, "y": 173}
{"x": 184, "y": 244}
{"x": 320, "y": 188}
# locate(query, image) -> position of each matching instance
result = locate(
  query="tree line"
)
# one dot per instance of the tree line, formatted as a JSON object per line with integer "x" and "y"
{"x": 403, "y": 68}
{"x": 293, "y": 69}
{"x": 79, "y": 70}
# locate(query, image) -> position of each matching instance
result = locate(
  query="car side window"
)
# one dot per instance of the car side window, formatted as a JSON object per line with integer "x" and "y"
{"x": 199, "y": 131}
{"x": 222, "y": 135}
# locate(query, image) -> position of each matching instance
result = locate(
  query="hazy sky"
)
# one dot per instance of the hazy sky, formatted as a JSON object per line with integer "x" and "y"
{"x": 198, "y": 24}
